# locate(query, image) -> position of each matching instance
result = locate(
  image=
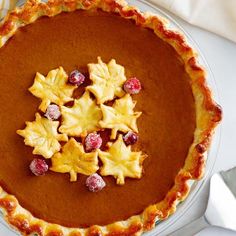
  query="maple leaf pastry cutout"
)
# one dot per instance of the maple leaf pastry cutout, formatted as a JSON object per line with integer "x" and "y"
{"x": 121, "y": 116}
{"x": 43, "y": 136}
{"x": 120, "y": 162}
{"x": 74, "y": 160}
{"x": 53, "y": 88}
{"x": 108, "y": 80}
{"x": 82, "y": 118}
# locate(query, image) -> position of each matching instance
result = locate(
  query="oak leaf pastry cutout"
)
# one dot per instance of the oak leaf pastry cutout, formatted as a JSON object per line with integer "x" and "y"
{"x": 108, "y": 80}
{"x": 120, "y": 162}
{"x": 121, "y": 116}
{"x": 82, "y": 118}
{"x": 73, "y": 159}
{"x": 43, "y": 136}
{"x": 53, "y": 88}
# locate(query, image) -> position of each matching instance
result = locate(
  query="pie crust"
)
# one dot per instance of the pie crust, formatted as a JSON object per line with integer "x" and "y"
{"x": 208, "y": 115}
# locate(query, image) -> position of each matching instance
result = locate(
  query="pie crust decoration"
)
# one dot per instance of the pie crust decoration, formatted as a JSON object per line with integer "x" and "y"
{"x": 52, "y": 89}
{"x": 43, "y": 136}
{"x": 108, "y": 80}
{"x": 120, "y": 162}
{"x": 83, "y": 117}
{"x": 83, "y": 120}
{"x": 120, "y": 117}
{"x": 208, "y": 115}
{"x": 74, "y": 159}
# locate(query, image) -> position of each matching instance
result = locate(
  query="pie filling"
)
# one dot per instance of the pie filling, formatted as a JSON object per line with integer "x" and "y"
{"x": 165, "y": 128}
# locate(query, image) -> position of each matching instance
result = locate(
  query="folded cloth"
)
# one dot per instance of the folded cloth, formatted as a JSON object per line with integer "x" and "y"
{"x": 5, "y": 6}
{"x": 218, "y": 16}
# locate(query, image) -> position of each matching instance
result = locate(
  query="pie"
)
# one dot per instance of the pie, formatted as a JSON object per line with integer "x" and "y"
{"x": 174, "y": 115}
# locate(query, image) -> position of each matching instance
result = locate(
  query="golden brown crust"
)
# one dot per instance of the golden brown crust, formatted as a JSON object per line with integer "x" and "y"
{"x": 208, "y": 115}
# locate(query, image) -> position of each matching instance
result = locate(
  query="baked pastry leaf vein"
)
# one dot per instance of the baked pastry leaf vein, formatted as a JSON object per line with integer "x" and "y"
{"x": 80, "y": 119}
{"x": 121, "y": 116}
{"x": 120, "y": 162}
{"x": 53, "y": 88}
{"x": 73, "y": 159}
{"x": 108, "y": 80}
{"x": 43, "y": 136}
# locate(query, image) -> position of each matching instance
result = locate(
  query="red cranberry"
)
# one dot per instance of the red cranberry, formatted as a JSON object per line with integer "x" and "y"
{"x": 38, "y": 167}
{"x": 93, "y": 141}
{"x": 95, "y": 183}
{"x": 130, "y": 138}
{"x": 53, "y": 112}
{"x": 132, "y": 86}
{"x": 76, "y": 78}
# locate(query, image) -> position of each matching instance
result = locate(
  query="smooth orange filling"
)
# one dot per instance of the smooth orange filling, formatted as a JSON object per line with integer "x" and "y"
{"x": 166, "y": 128}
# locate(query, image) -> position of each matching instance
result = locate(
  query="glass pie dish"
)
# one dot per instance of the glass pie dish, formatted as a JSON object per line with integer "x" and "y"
{"x": 145, "y": 9}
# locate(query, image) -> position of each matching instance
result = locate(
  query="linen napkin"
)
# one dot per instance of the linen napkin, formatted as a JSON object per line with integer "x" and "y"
{"x": 6, "y": 5}
{"x": 218, "y": 16}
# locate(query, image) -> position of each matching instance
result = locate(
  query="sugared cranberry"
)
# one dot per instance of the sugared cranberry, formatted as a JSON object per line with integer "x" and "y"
{"x": 53, "y": 112}
{"x": 95, "y": 183}
{"x": 38, "y": 167}
{"x": 76, "y": 78}
{"x": 93, "y": 141}
{"x": 130, "y": 138}
{"x": 132, "y": 86}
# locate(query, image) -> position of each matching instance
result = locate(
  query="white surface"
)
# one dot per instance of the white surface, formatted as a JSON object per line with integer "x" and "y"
{"x": 221, "y": 208}
{"x": 221, "y": 56}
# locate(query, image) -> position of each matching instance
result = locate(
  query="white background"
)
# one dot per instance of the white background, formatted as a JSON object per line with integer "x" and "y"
{"x": 221, "y": 56}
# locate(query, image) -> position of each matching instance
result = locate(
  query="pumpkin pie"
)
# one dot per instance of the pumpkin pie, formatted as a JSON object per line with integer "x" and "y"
{"x": 140, "y": 94}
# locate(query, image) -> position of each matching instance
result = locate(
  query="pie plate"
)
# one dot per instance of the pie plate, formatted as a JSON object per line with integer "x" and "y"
{"x": 198, "y": 185}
